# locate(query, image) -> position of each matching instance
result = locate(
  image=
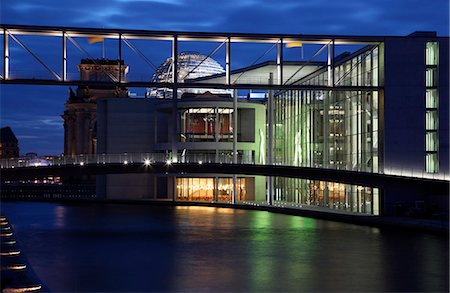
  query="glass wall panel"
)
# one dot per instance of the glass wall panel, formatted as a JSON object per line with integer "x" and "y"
{"x": 205, "y": 189}
{"x": 297, "y": 192}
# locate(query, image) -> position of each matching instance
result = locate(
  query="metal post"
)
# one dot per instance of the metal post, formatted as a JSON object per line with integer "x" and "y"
{"x": 270, "y": 142}
{"x": 235, "y": 133}
{"x": 235, "y": 126}
{"x": 330, "y": 81}
{"x": 332, "y": 63}
{"x": 326, "y": 123}
{"x": 280, "y": 62}
{"x": 228, "y": 61}
{"x": 120, "y": 58}
{"x": 174, "y": 98}
{"x": 5, "y": 55}
{"x": 64, "y": 57}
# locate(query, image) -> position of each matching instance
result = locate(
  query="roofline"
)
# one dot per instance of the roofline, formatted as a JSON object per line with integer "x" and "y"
{"x": 259, "y": 65}
{"x": 243, "y": 37}
{"x": 339, "y": 62}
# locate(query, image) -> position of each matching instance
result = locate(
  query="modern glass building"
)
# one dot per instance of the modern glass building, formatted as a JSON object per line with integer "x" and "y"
{"x": 330, "y": 129}
{"x": 382, "y": 108}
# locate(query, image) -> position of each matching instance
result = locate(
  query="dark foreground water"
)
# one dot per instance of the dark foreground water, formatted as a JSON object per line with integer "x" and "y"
{"x": 155, "y": 248}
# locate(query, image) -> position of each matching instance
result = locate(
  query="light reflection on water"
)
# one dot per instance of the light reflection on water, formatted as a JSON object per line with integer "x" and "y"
{"x": 149, "y": 248}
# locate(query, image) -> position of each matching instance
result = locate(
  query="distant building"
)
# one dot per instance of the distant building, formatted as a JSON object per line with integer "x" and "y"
{"x": 80, "y": 122}
{"x": 9, "y": 145}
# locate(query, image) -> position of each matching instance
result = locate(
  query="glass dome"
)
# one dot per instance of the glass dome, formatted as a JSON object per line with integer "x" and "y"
{"x": 190, "y": 66}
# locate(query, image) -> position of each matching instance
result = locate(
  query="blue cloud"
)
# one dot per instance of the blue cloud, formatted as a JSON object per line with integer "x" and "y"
{"x": 34, "y": 111}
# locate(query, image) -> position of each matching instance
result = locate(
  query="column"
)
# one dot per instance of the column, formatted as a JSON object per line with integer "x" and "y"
{"x": 5, "y": 54}
{"x": 270, "y": 140}
{"x": 280, "y": 62}
{"x": 174, "y": 98}
{"x": 64, "y": 57}
{"x": 235, "y": 133}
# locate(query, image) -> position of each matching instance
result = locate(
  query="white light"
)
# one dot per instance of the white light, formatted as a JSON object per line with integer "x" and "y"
{"x": 168, "y": 162}
{"x": 81, "y": 163}
{"x": 200, "y": 162}
{"x": 147, "y": 162}
{"x": 125, "y": 162}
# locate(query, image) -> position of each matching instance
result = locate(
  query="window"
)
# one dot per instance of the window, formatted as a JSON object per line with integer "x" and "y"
{"x": 432, "y": 163}
{"x": 431, "y": 53}
{"x": 431, "y": 120}
{"x": 431, "y": 77}
{"x": 431, "y": 101}
{"x": 431, "y": 105}
{"x": 431, "y": 141}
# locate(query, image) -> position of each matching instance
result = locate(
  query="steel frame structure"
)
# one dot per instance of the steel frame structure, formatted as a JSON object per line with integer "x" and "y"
{"x": 121, "y": 35}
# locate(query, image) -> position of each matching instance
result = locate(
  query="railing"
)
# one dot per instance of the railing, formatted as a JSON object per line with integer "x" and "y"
{"x": 125, "y": 158}
{"x": 149, "y": 158}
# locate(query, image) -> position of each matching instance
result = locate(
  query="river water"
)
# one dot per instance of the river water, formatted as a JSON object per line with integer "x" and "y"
{"x": 115, "y": 247}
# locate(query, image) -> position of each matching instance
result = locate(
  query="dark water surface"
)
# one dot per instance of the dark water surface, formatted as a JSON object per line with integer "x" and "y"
{"x": 156, "y": 248}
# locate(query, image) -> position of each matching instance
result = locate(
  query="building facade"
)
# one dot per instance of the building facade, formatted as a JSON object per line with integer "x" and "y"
{"x": 386, "y": 111}
{"x": 80, "y": 123}
{"x": 9, "y": 144}
{"x": 400, "y": 128}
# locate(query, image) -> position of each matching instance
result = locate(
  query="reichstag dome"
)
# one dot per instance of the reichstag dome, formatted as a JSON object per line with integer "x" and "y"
{"x": 190, "y": 66}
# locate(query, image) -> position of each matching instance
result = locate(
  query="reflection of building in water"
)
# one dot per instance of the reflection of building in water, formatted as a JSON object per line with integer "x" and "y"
{"x": 80, "y": 129}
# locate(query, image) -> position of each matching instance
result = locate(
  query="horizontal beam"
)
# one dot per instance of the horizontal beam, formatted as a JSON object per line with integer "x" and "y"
{"x": 187, "y": 85}
{"x": 187, "y": 36}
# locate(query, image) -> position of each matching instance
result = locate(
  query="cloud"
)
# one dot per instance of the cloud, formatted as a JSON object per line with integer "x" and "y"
{"x": 35, "y": 110}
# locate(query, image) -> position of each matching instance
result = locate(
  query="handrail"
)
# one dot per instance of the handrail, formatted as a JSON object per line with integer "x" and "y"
{"x": 149, "y": 158}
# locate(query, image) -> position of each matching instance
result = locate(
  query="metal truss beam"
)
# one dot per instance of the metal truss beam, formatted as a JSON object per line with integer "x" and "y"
{"x": 182, "y": 36}
{"x": 189, "y": 85}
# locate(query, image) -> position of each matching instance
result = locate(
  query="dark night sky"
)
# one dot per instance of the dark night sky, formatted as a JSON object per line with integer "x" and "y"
{"x": 33, "y": 111}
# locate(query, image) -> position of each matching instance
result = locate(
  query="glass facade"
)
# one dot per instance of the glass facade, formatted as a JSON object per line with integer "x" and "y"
{"x": 352, "y": 198}
{"x": 206, "y": 124}
{"x": 326, "y": 129}
{"x": 330, "y": 129}
{"x": 431, "y": 108}
{"x": 214, "y": 189}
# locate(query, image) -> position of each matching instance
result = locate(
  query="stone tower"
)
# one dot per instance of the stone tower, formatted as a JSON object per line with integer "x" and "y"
{"x": 80, "y": 122}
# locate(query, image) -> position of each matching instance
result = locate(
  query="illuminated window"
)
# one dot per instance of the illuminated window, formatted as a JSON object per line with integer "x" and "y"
{"x": 204, "y": 189}
{"x": 431, "y": 53}
{"x": 431, "y": 98}
{"x": 432, "y": 163}
{"x": 431, "y": 142}
{"x": 431, "y": 105}
{"x": 431, "y": 120}
{"x": 431, "y": 77}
